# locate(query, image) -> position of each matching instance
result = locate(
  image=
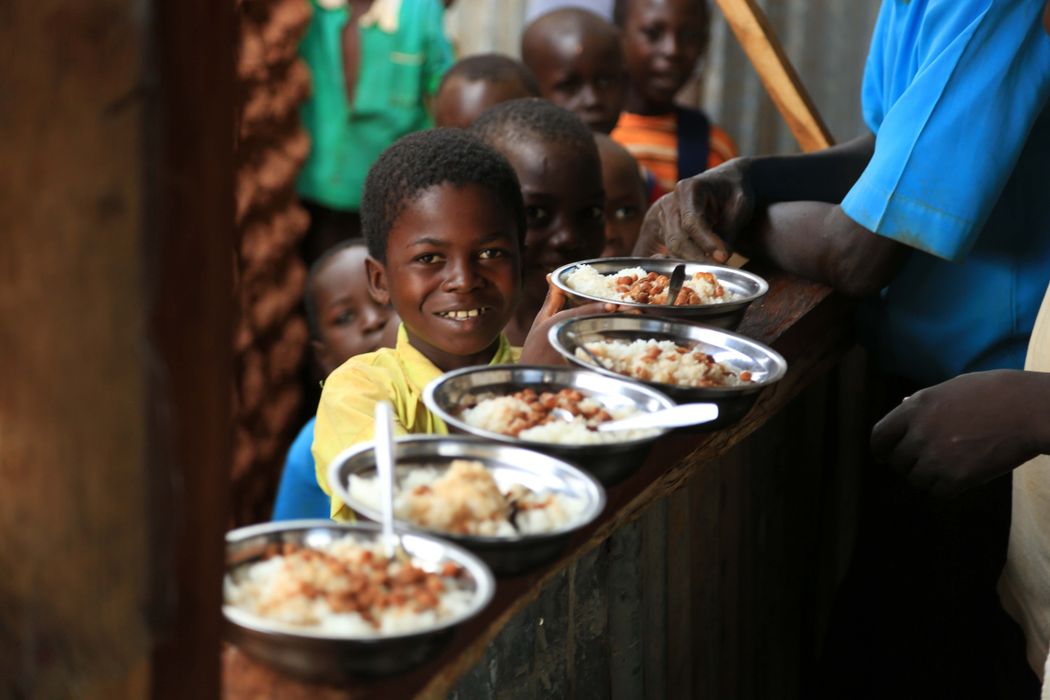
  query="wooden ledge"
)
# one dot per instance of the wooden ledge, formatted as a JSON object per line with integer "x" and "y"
{"x": 804, "y": 321}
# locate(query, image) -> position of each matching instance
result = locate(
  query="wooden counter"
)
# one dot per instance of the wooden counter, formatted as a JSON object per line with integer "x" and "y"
{"x": 807, "y": 324}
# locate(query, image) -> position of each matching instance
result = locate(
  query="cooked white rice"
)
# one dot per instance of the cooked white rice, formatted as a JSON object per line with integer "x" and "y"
{"x": 500, "y": 414}
{"x": 586, "y": 280}
{"x": 663, "y": 361}
{"x": 465, "y": 499}
{"x": 295, "y": 589}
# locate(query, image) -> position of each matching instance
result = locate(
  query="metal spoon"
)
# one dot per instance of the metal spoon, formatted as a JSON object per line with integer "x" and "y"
{"x": 675, "y": 286}
{"x": 586, "y": 351}
{"x": 384, "y": 451}
{"x": 674, "y": 417}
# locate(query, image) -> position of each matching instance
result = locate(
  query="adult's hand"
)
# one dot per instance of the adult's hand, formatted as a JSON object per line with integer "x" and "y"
{"x": 703, "y": 212}
{"x": 966, "y": 431}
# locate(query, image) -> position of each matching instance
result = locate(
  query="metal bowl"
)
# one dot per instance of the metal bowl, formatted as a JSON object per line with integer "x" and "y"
{"x": 329, "y": 657}
{"x": 609, "y": 462}
{"x": 740, "y": 353}
{"x": 747, "y": 287}
{"x": 509, "y": 465}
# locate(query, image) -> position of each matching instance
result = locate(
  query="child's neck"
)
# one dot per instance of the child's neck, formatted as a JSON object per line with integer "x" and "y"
{"x": 445, "y": 361}
{"x": 637, "y": 103}
{"x": 520, "y": 324}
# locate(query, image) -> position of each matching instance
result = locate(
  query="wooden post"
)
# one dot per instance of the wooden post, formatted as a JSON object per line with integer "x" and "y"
{"x": 755, "y": 34}
{"x": 115, "y": 266}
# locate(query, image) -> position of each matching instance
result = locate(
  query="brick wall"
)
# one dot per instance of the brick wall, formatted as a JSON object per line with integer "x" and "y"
{"x": 271, "y": 335}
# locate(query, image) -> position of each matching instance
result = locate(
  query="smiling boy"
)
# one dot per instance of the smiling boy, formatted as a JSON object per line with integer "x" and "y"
{"x": 444, "y": 219}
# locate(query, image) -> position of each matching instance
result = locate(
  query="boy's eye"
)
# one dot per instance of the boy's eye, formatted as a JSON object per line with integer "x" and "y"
{"x": 347, "y": 316}
{"x": 491, "y": 253}
{"x": 625, "y": 212}
{"x": 428, "y": 258}
{"x": 652, "y": 33}
{"x": 536, "y": 216}
{"x": 594, "y": 213}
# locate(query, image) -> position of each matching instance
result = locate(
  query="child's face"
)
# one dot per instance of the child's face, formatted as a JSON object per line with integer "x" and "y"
{"x": 625, "y": 202}
{"x": 460, "y": 102}
{"x": 662, "y": 41}
{"x": 452, "y": 273}
{"x": 584, "y": 74}
{"x": 349, "y": 321}
{"x": 564, "y": 204}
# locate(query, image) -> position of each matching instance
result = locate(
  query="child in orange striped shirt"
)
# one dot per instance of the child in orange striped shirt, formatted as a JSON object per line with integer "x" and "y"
{"x": 662, "y": 42}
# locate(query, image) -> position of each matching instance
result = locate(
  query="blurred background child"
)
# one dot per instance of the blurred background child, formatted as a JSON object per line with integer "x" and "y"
{"x": 344, "y": 321}
{"x": 556, "y": 161}
{"x": 478, "y": 82}
{"x": 663, "y": 40}
{"x": 374, "y": 65}
{"x": 625, "y": 197}
{"x": 578, "y": 62}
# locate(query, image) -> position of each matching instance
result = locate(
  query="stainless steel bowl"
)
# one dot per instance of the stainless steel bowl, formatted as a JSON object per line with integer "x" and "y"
{"x": 324, "y": 656}
{"x": 609, "y": 462}
{"x": 509, "y": 466}
{"x": 747, "y": 287}
{"x": 766, "y": 365}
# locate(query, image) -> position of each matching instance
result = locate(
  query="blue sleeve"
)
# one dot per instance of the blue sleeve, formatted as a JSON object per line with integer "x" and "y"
{"x": 952, "y": 90}
{"x": 298, "y": 495}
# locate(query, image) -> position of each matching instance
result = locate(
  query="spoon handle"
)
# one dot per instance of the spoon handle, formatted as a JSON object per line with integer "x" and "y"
{"x": 674, "y": 417}
{"x": 675, "y": 285}
{"x": 384, "y": 451}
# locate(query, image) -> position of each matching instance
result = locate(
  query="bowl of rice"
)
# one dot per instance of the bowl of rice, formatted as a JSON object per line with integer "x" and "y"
{"x": 689, "y": 362}
{"x": 514, "y": 508}
{"x": 529, "y": 406}
{"x": 713, "y": 294}
{"x": 322, "y": 601}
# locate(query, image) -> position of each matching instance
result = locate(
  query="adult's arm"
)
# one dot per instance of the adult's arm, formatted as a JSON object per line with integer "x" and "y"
{"x": 968, "y": 430}
{"x": 706, "y": 214}
{"x": 820, "y": 242}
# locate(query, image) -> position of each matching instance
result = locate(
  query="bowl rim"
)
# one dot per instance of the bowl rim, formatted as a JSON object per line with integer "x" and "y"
{"x": 449, "y": 419}
{"x": 596, "y": 492}
{"x": 763, "y": 286}
{"x": 485, "y": 583}
{"x": 781, "y": 364}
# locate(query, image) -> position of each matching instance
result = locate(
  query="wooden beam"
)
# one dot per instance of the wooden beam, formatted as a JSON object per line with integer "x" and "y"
{"x": 756, "y": 36}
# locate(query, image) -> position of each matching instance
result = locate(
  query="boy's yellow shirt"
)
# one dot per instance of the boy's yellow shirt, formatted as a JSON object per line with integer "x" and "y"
{"x": 346, "y": 414}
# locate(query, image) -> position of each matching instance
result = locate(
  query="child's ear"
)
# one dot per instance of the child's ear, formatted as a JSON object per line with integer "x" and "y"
{"x": 378, "y": 287}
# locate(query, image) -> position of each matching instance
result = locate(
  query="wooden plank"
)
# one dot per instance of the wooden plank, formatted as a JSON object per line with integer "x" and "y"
{"x": 190, "y": 249}
{"x": 73, "y": 431}
{"x": 756, "y": 36}
{"x": 803, "y": 320}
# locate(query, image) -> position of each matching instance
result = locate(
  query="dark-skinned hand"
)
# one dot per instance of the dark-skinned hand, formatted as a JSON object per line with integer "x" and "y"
{"x": 966, "y": 431}
{"x": 695, "y": 220}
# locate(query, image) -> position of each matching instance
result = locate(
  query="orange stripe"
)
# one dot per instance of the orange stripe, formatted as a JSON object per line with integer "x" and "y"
{"x": 653, "y": 141}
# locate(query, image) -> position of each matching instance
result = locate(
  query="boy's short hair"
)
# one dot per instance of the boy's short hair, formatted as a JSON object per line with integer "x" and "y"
{"x": 313, "y": 316}
{"x": 492, "y": 68}
{"x": 531, "y": 118}
{"x": 425, "y": 159}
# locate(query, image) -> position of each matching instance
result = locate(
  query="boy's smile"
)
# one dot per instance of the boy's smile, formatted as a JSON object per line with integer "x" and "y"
{"x": 452, "y": 273}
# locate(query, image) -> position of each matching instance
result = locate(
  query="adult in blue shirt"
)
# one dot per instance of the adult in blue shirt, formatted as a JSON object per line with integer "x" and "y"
{"x": 940, "y": 219}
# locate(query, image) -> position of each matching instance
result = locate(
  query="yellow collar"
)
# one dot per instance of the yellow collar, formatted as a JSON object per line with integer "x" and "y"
{"x": 420, "y": 371}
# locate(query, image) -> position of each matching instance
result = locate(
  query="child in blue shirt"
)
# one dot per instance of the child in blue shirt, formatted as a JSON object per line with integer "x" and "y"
{"x": 344, "y": 321}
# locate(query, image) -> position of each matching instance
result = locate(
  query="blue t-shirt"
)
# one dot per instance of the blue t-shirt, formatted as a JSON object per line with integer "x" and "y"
{"x": 298, "y": 495}
{"x": 956, "y": 93}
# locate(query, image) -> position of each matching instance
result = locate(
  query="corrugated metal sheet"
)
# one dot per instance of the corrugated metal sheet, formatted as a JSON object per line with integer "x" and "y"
{"x": 826, "y": 40}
